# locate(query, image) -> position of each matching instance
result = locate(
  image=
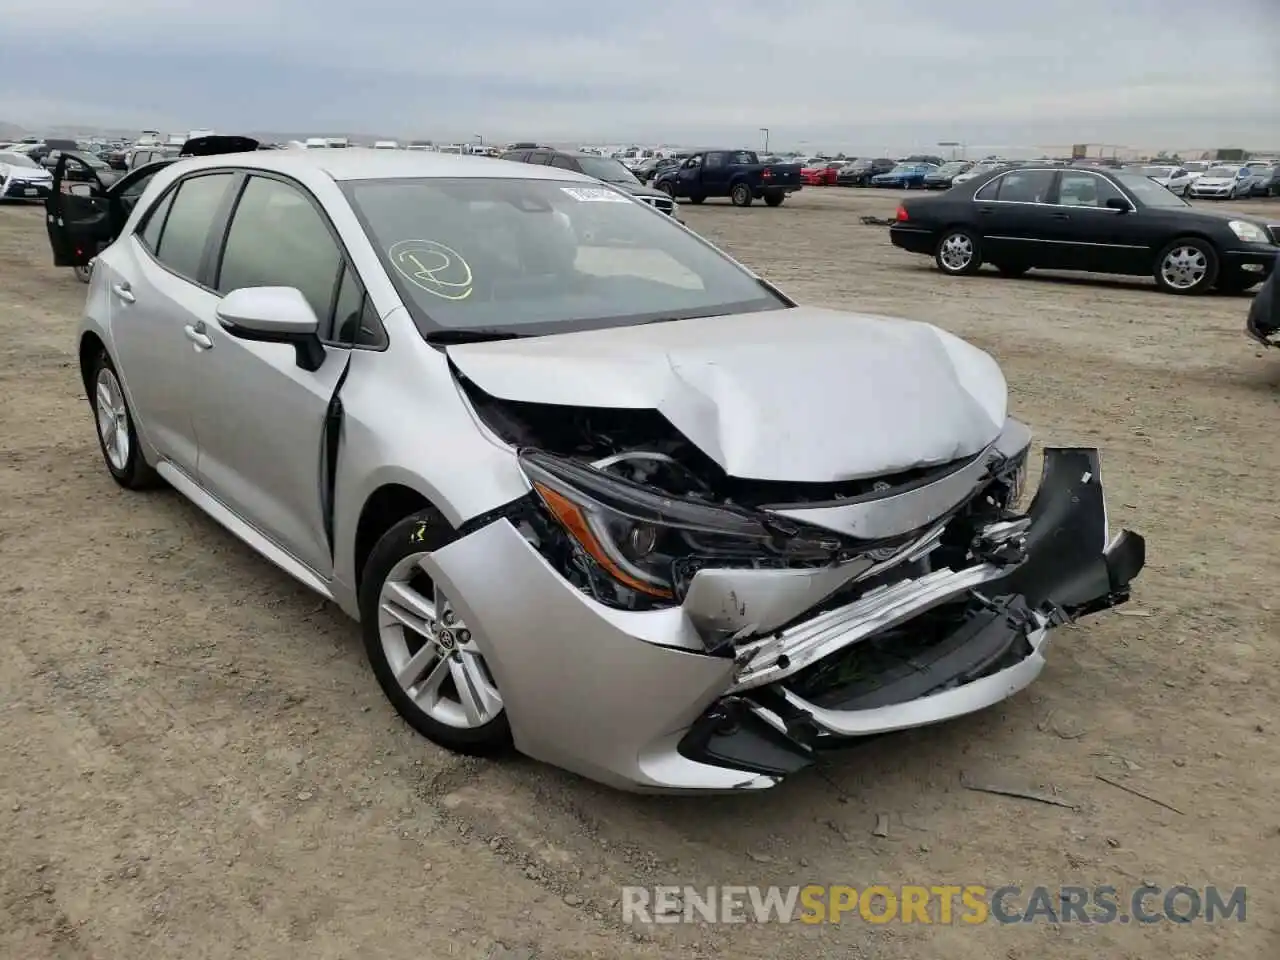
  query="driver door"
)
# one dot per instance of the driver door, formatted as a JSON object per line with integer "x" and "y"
{"x": 689, "y": 179}
{"x": 77, "y": 212}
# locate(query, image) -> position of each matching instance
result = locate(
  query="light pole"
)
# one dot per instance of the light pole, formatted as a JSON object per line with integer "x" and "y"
{"x": 953, "y": 144}
{"x": 765, "y": 131}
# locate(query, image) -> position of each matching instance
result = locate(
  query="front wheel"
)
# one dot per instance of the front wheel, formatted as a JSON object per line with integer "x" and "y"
{"x": 959, "y": 253}
{"x": 740, "y": 195}
{"x": 774, "y": 199}
{"x": 668, "y": 188}
{"x": 1188, "y": 265}
{"x": 421, "y": 650}
{"x": 84, "y": 272}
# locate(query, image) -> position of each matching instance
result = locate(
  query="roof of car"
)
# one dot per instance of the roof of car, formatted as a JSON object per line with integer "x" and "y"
{"x": 359, "y": 163}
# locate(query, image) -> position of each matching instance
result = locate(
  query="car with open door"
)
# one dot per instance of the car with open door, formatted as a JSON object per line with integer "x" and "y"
{"x": 85, "y": 207}
{"x": 1095, "y": 220}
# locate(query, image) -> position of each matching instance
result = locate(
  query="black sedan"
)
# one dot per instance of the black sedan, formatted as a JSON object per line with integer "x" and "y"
{"x": 941, "y": 178}
{"x": 858, "y": 173}
{"x": 1098, "y": 221}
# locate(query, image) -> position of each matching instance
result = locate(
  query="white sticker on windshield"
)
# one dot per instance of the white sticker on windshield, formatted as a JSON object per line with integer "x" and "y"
{"x": 595, "y": 195}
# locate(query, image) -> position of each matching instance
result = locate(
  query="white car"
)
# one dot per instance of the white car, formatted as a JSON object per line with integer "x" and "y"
{"x": 1176, "y": 179}
{"x": 21, "y": 178}
{"x": 1223, "y": 182}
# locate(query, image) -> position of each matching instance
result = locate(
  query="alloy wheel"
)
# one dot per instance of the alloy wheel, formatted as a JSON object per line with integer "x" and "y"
{"x": 113, "y": 419}
{"x": 957, "y": 252}
{"x": 431, "y": 651}
{"x": 1183, "y": 267}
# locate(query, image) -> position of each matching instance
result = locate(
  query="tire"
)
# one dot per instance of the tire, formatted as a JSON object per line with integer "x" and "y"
{"x": 667, "y": 187}
{"x": 740, "y": 195}
{"x": 951, "y": 253}
{"x": 1012, "y": 270}
{"x": 117, "y": 435}
{"x": 1187, "y": 266}
{"x": 392, "y": 570}
{"x": 774, "y": 199}
{"x": 84, "y": 273}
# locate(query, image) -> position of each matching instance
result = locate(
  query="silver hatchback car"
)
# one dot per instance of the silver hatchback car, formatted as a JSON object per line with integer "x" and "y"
{"x": 589, "y": 486}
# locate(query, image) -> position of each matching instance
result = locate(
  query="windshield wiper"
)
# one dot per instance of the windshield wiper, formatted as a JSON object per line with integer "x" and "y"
{"x": 472, "y": 335}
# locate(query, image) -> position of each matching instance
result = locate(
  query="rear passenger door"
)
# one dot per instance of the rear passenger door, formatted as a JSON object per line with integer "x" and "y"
{"x": 1014, "y": 218}
{"x": 154, "y": 284}
{"x": 259, "y": 417}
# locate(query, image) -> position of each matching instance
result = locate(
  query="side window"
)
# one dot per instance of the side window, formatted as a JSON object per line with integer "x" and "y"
{"x": 1025, "y": 186}
{"x": 1086, "y": 190}
{"x": 154, "y": 223}
{"x": 990, "y": 191}
{"x": 355, "y": 322}
{"x": 190, "y": 220}
{"x": 565, "y": 163}
{"x": 134, "y": 190}
{"x": 279, "y": 239}
{"x": 539, "y": 156}
{"x": 713, "y": 161}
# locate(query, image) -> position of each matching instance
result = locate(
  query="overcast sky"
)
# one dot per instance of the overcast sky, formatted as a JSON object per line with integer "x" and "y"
{"x": 831, "y": 74}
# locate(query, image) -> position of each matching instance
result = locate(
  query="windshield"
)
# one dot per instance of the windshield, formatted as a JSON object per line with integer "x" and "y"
{"x": 1148, "y": 192}
{"x": 1222, "y": 172}
{"x": 955, "y": 166}
{"x": 607, "y": 169}
{"x": 18, "y": 160}
{"x": 1157, "y": 171}
{"x": 525, "y": 256}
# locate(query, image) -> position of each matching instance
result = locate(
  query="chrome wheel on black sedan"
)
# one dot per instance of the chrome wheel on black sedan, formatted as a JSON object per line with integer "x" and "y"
{"x": 1187, "y": 266}
{"x": 959, "y": 253}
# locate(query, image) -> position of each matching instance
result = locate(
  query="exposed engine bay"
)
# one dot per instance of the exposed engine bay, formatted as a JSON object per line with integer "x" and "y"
{"x": 667, "y": 511}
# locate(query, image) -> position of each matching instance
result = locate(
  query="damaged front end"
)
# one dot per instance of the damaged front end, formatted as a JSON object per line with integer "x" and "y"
{"x": 758, "y": 622}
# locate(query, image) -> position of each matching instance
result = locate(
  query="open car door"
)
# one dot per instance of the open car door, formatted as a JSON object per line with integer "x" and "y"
{"x": 77, "y": 211}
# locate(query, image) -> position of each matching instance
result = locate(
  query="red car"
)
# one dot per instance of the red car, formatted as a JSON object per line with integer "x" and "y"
{"x": 822, "y": 175}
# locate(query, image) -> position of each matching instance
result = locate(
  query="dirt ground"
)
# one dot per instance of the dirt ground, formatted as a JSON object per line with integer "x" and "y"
{"x": 195, "y": 761}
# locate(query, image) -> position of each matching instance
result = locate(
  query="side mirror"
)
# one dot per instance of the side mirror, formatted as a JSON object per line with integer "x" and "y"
{"x": 274, "y": 315}
{"x": 1117, "y": 203}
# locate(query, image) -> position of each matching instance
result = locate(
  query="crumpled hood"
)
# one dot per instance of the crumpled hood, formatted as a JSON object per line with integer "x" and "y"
{"x": 801, "y": 395}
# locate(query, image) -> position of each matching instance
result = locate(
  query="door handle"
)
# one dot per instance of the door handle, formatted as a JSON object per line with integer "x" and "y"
{"x": 197, "y": 336}
{"x": 1062, "y": 216}
{"x": 122, "y": 291}
{"x": 986, "y": 211}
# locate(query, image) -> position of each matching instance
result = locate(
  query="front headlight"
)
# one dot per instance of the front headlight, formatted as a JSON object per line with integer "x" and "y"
{"x": 1248, "y": 232}
{"x": 645, "y": 541}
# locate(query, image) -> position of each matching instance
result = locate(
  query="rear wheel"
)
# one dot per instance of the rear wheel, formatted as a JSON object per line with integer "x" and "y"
{"x": 774, "y": 199}
{"x": 959, "y": 253}
{"x": 740, "y": 195}
{"x": 1188, "y": 265}
{"x": 117, "y": 435}
{"x": 421, "y": 650}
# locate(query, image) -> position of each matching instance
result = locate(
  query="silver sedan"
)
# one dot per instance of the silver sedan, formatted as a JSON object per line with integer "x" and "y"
{"x": 589, "y": 486}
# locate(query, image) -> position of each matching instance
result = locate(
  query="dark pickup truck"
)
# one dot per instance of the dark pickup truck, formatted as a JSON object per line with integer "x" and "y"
{"x": 736, "y": 174}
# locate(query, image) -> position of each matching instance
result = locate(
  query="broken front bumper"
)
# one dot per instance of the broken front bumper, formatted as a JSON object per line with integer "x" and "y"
{"x": 637, "y": 700}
